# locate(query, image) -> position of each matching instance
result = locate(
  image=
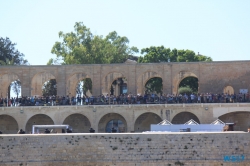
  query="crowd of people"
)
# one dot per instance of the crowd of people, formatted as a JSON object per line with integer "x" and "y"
{"x": 125, "y": 99}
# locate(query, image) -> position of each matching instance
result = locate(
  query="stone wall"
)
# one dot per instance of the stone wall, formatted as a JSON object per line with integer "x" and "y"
{"x": 212, "y": 76}
{"x": 166, "y": 149}
{"x": 136, "y": 118}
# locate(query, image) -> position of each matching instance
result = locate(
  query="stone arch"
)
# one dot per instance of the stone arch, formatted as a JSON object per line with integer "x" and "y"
{"x": 5, "y": 81}
{"x": 228, "y": 89}
{"x": 107, "y": 118}
{"x": 79, "y": 123}
{"x": 142, "y": 80}
{"x": 108, "y": 80}
{"x": 144, "y": 121}
{"x": 72, "y": 82}
{"x": 183, "y": 117}
{"x": 178, "y": 78}
{"x": 241, "y": 120}
{"x": 8, "y": 124}
{"x": 38, "y": 81}
{"x": 38, "y": 119}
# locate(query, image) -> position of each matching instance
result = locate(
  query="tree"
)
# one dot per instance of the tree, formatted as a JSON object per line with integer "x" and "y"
{"x": 49, "y": 88}
{"x": 162, "y": 54}
{"x": 154, "y": 55}
{"x": 186, "y": 89}
{"x": 82, "y": 47}
{"x": 9, "y": 55}
{"x": 87, "y": 85}
{"x": 150, "y": 85}
{"x": 16, "y": 87}
{"x": 191, "y": 83}
{"x": 84, "y": 86}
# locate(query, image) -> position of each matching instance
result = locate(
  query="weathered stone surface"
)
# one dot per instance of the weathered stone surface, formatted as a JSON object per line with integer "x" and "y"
{"x": 136, "y": 118}
{"x": 212, "y": 76}
{"x": 230, "y": 148}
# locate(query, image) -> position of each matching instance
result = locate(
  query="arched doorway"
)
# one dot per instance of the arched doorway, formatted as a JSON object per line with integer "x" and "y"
{"x": 78, "y": 122}
{"x": 183, "y": 117}
{"x": 241, "y": 120}
{"x": 14, "y": 92}
{"x": 39, "y": 119}
{"x": 119, "y": 86}
{"x": 116, "y": 124}
{"x": 40, "y": 80}
{"x": 153, "y": 86}
{"x": 49, "y": 88}
{"x": 143, "y": 79}
{"x": 188, "y": 85}
{"x": 112, "y": 120}
{"x": 75, "y": 84}
{"x": 111, "y": 83}
{"x": 8, "y": 125}
{"x": 84, "y": 87}
{"x": 6, "y": 81}
{"x": 144, "y": 121}
{"x": 228, "y": 90}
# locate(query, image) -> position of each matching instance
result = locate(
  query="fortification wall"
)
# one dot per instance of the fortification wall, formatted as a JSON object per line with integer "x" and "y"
{"x": 229, "y": 148}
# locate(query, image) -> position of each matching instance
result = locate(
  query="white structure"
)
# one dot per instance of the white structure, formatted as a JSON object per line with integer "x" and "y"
{"x": 35, "y": 128}
{"x": 191, "y": 125}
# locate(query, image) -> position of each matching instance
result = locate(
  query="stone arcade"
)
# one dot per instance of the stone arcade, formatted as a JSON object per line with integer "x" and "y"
{"x": 212, "y": 76}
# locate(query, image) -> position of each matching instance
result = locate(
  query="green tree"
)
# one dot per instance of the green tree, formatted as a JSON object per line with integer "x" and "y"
{"x": 150, "y": 85}
{"x": 154, "y": 55}
{"x": 49, "y": 88}
{"x": 162, "y": 54}
{"x": 9, "y": 55}
{"x": 186, "y": 89}
{"x": 16, "y": 87}
{"x": 191, "y": 83}
{"x": 83, "y": 87}
{"x": 87, "y": 85}
{"x": 82, "y": 47}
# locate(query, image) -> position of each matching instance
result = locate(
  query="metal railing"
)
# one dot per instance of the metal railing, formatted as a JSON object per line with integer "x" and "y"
{"x": 124, "y": 99}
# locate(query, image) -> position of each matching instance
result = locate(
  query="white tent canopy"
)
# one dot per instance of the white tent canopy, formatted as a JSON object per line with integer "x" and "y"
{"x": 165, "y": 122}
{"x": 191, "y": 122}
{"x": 191, "y": 125}
{"x": 217, "y": 122}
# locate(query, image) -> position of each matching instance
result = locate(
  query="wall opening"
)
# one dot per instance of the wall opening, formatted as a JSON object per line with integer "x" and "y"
{"x": 78, "y": 122}
{"x": 14, "y": 93}
{"x": 112, "y": 120}
{"x": 228, "y": 90}
{"x": 183, "y": 117}
{"x": 39, "y": 119}
{"x": 144, "y": 121}
{"x": 116, "y": 124}
{"x": 154, "y": 85}
{"x": 49, "y": 88}
{"x": 241, "y": 120}
{"x": 84, "y": 88}
{"x": 188, "y": 85}
{"x": 119, "y": 86}
{"x": 8, "y": 125}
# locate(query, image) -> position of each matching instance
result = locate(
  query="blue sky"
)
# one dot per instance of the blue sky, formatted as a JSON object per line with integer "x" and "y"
{"x": 219, "y": 29}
